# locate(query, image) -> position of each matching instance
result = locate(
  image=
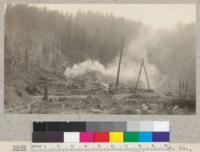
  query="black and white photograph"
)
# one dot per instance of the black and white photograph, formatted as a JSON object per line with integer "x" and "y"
{"x": 104, "y": 59}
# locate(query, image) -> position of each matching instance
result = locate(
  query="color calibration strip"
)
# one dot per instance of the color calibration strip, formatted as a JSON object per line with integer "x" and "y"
{"x": 114, "y": 132}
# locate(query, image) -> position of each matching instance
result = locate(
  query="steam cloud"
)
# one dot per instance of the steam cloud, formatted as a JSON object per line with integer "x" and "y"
{"x": 130, "y": 66}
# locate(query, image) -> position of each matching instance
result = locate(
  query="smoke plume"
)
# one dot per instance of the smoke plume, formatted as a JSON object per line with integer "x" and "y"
{"x": 133, "y": 54}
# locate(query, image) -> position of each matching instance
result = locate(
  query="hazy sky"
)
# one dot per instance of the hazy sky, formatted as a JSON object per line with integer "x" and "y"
{"x": 156, "y": 15}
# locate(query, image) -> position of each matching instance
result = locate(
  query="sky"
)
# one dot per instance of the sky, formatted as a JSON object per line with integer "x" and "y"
{"x": 156, "y": 15}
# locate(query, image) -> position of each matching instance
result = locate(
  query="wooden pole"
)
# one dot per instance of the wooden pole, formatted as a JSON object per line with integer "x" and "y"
{"x": 119, "y": 66}
{"x": 146, "y": 75}
{"x": 139, "y": 76}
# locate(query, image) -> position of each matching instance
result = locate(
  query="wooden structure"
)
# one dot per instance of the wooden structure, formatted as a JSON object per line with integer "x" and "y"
{"x": 142, "y": 66}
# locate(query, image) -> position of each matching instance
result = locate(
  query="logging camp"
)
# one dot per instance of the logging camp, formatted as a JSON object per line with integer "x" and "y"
{"x": 98, "y": 61}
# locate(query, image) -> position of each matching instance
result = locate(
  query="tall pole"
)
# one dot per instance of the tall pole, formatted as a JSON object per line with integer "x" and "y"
{"x": 119, "y": 66}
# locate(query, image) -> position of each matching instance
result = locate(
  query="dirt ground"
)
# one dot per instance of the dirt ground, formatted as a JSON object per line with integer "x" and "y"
{"x": 84, "y": 95}
{"x": 126, "y": 103}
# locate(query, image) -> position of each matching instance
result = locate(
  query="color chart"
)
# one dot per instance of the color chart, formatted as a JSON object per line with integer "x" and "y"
{"x": 107, "y": 132}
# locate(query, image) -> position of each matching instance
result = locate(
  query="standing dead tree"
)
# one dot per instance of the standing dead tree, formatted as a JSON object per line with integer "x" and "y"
{"x": 183, "y": 87}
{"x": 46, "y": 91}
{"x": 26, "y": 60}
{"x": 119, "y": 65}
{"x": 145, "y": 71}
